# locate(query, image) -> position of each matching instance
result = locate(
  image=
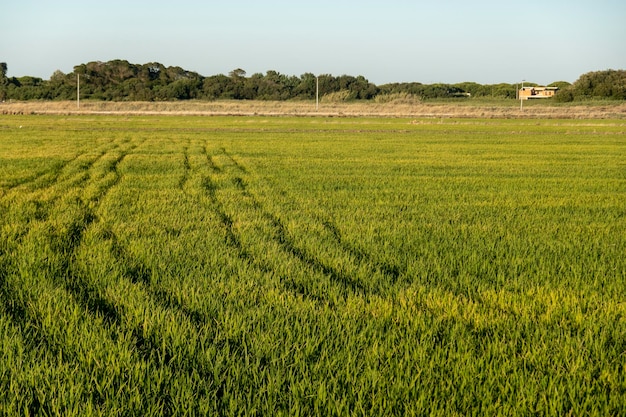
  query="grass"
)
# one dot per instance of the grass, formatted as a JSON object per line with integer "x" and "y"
{"x": 178, "y": 265}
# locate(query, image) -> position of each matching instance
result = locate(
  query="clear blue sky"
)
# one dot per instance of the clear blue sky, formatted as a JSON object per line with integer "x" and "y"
{"x": 386, "y": 41}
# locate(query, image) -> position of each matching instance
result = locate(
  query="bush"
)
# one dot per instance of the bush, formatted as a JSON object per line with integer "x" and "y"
{"x": 565, "y": 95}
{"x": 609, "y": 84}
{"x": 338, "y": 96}
{"x": 397, "y": 98}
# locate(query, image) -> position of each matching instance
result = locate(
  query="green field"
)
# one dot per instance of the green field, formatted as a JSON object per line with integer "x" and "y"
{"x": 166, "y": 265}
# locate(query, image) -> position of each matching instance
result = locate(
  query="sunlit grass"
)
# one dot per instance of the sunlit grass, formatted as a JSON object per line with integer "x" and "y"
{"x": 161, "y": 265}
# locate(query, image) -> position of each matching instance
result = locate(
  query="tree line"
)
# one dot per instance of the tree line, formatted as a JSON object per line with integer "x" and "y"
{"x": 120, "y": 80}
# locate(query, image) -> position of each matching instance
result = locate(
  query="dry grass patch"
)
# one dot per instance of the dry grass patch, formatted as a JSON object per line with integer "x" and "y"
{"x": 392, "y": 108}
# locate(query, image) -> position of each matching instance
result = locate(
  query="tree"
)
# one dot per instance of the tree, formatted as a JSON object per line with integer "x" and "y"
{"x": 237, "y": 73}
{"x": 327, "y": 84}
{"x": 182, "y": 89}
{"x": 504, "y": 90}
{"x": 238, "y": 77}
{"x": 4, "y": 81}
{"x": 560, "y": 84}
{"x": 565, "y": 95}
{"x": 63, "y": 86}
{"x": 608, "y": 84}
{"x": 363, "y": 89}
{"x": 306, "y": 87}
{"x": 217, "y": 86}
{"x": 474, "y": 89}
{"x": 274, "y": 86}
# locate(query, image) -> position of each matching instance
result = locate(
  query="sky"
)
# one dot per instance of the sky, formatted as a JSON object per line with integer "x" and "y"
{"x": 447, "y": 41}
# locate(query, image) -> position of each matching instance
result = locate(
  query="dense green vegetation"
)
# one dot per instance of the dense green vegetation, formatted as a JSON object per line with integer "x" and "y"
{"x": 608, "y": 84}
{"x": 120, "y": 80}
{"x": 311, "y": 266}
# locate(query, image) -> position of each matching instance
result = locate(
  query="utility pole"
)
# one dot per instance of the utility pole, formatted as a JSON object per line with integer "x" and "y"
{"x": 317, "y": 93}
{"x": 78, "y": 91}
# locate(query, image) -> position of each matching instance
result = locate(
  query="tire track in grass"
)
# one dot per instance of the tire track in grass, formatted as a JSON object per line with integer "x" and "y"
{"x": 393, "y": 272}
{"x": 39, "y": 201}
{"x": 149, "y": 344}
{"x": 240, "y": 167}
{"x": 38, "y": 209}
{"x": 141, "y": 274}
{"x": 210, "y": 188}
{"x": 281, "y": 236}
{"x": 137, "y": 271}
{"x": 64, "y": 241}
{"x": 132, "y": 269}
{"x": 19, "y": 303}
{"x": 232, "y": 239}
{"x": 86, "y": 292}
{"x": 226, "y": 221}
{"x": 209, "y": 159}
{"x": 186, "y": 167}
{"x": 36, "y": 177}
{"x": 50, "y": 177}
{"x": 46, "y": 177}
{"x": 104, "y": 185}
{"x": 36, "y": 204}
{"x": 304, "y": 256}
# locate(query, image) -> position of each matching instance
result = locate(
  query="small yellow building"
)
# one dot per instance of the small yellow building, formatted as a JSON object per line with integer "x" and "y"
{"x": 528, "y": 93}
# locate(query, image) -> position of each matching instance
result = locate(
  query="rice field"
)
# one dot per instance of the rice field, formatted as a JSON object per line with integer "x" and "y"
{"x": 187, "y": 265}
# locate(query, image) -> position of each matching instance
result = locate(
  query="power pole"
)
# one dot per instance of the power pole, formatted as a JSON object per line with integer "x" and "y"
{"x": 78, "y": 91}
{"x": 317, "y": 93}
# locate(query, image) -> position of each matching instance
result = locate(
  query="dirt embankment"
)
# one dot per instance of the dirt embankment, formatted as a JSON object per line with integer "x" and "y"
{"x": 304, "y": 108}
